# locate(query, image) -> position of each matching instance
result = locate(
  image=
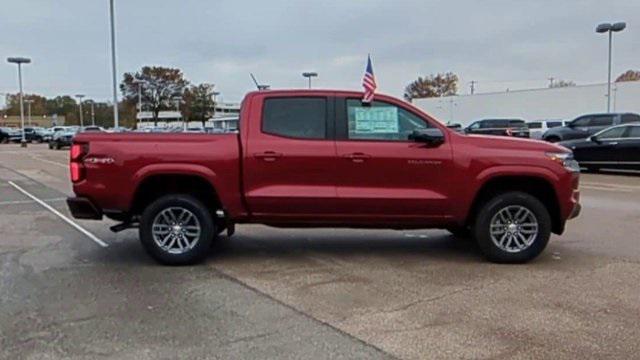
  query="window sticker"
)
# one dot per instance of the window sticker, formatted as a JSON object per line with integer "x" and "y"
{"x": 376, "y": 120}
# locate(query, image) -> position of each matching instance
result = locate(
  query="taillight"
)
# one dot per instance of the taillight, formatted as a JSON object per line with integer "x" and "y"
{"x": 78, "y": 151}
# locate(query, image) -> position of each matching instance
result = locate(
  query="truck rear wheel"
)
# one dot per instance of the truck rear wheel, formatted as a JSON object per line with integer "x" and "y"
{"x": 177, "y": 229}
{"x": 513, "y": 227}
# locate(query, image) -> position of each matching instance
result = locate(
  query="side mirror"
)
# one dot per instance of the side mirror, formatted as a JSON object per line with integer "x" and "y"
{"x": 431, "y": 137}
{"x": 594, "y": 139}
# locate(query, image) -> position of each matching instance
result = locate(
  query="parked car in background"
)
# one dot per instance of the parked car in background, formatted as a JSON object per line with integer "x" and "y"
{"x": 506, "y": 127}
{"x": 539, "y": 127}
{"x": 586, "y": 125}
{"x": 62, "y": 138}
{"x": 8, "y": 134}
{"x": 457, "y": 127}
{"x": 93, "y": 128}
{"x": 617, "y": 147}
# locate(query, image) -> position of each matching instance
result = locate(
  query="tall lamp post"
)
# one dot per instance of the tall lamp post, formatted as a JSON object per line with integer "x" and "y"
{"x": 113, "y": 64}
{"x": 93, "y": 112}
{"x": 309, "y": 75}
{"x": 29, "y": 102}
{"x": 610, "y": 29}
{"x": 80, "y": 96}
{"x": 140, "y": 83}
{"x": 20, "y": 61}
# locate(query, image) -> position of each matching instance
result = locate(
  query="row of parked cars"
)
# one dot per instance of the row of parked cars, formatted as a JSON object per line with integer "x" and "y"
{"x": 610, "y": 140}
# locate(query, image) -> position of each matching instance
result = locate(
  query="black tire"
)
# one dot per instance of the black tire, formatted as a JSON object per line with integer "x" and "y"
{"x": 460, "y": 232}
{"x": 56, "y": 146}
{"x": 481, "y": 228}
{"x": 201, "y": 247}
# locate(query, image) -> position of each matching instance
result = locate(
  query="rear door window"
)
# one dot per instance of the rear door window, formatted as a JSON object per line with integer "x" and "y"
{"x": 602, "y": 120}
{"x": 535, "y": 125}
{"x": 295, "y": 117}
{"x": 630, "y": 118}
{"x": 552, "y": 124}
{"x": 516, "y": 123}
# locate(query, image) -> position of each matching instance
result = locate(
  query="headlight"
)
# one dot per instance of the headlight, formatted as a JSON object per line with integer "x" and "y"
{"x": 565, "y": 159}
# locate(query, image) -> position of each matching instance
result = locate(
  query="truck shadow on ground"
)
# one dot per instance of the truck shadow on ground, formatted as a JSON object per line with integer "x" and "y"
{"x": 436, "y": 245}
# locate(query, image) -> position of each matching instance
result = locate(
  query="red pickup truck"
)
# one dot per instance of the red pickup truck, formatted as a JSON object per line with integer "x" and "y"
{"x": 320, "y": 158}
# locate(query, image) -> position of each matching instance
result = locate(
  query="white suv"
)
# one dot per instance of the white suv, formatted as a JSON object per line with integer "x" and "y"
{"x": 538, "y": 127}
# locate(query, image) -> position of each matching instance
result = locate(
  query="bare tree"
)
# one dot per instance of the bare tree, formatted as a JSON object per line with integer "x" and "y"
{"x": 629, "y": 75}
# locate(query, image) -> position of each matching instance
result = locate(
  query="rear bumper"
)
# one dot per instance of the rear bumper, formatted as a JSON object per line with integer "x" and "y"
{"x": 83, "y": 208}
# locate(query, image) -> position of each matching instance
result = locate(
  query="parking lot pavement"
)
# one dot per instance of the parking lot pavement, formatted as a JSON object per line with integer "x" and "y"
{"x": 275, "y": 293}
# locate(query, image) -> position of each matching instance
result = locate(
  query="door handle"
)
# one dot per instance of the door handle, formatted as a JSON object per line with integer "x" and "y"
{"x": 267, "y": 155}
{"x": 357, "y": 157}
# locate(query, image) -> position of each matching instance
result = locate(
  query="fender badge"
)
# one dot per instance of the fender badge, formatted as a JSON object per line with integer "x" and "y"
{"x": 95, "y": 160}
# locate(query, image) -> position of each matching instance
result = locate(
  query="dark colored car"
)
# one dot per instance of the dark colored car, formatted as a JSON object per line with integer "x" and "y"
{"x": 320, "y": 158}
{"x": 62, "y": 138}
{"x": 505, "y": 127}
{"x": 617, "y": 147}
{"x": 32, "y": 134}
{"x": 586, "y": 125}
{"x": 8, "y": 134}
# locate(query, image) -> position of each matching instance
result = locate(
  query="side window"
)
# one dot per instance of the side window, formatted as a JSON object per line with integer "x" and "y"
{"x": 516, "y": 123}
{"x": 602, "y": 120}
{"x": 475, "y": 126}
{"x": 630, "y": 118}
{"x": 552, "y": 124}
{"x": 583, "y": 121}
{"x": 302, "y": 117}
{"x": 634, "y": 132}
{"x": 614, "y": 133}
{"x": 381, "y": 121}
{"x": 535, "y": 125}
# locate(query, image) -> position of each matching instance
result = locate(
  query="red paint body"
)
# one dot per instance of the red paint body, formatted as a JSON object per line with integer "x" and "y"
{"x": 264, "y": 178}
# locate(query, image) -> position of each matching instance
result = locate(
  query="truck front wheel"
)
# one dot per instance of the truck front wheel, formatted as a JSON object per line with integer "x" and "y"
{"x": 177, "y": 229}
{"x": 512, "y": 227}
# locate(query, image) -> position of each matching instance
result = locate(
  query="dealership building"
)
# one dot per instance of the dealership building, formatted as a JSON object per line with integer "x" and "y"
{"x": 534, "y": 104}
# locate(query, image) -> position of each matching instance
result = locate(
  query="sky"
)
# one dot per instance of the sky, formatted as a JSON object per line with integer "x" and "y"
{"x": 500, "y": 44}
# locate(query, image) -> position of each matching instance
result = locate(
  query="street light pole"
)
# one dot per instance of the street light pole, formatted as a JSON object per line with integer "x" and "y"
{"x": 20, "y": 61}
{"x": 309, "y": 75}
{"x": 80, "y": 96}
{"x": 93, "y": 112}
{"x": 29, "y": 102}
{"x": 610, "y": 29}
{"x": 113, "y": 64}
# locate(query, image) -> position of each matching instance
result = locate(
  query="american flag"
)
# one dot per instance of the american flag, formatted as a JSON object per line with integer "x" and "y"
{"x": 369, "y": 83}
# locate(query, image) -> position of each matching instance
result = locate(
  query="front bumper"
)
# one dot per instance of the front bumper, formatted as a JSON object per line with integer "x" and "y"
{"x": 83, "y": 208}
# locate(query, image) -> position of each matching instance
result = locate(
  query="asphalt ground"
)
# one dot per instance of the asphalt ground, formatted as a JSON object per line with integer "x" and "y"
{"x": 312, "y": 293}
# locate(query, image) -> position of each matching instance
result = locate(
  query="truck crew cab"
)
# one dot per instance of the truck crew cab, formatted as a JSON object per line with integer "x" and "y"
{"x": 321, "y": 158}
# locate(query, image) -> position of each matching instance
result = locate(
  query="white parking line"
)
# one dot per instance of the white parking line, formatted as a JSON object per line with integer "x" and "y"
{"x": 19, "y": 202}
{"x": 605, "y": 188}
{"x": 50, "y": 161}
{"x": 61, "y": 216}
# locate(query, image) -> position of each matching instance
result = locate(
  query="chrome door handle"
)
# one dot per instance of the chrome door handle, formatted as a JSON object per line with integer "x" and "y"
{"x": 357, "y": 157}
{"x": 268, "y": 155}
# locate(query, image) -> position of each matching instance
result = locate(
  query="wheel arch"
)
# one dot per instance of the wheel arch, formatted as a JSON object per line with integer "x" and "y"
{"x": 540, "y": 187}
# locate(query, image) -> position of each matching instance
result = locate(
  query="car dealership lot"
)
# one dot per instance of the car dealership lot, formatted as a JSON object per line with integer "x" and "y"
{"x": 318, "y": 293}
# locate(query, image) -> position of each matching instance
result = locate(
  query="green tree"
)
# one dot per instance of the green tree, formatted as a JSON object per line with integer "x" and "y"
{"x": 198, "y": 102}
{"x": 438, "y": 85}
{"x": 160, "y": 85}
{"x": 38, "y": 105}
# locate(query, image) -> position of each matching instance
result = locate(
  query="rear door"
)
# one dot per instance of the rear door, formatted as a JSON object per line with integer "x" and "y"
{"x": 384, "y": 175}
{"x": 290, "y": 156}
{"x": 628, "y": 148}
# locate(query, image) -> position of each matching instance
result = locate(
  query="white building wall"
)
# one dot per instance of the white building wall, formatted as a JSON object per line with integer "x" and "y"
{"x": 558, "y": 103}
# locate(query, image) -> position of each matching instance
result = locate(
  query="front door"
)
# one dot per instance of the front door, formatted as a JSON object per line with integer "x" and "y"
{"x": 384, "y": 175}
{"x": 289, "y": 157}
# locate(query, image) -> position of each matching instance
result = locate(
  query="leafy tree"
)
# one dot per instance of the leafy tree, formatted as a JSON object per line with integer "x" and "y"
{"x": 561, "y": 84}
{"x": 629, "y": 75}
{"x": 38, "y": 106}
{"x": 438, "y": 85}
{"x": 198, "y": 102}
{"x": 160, "y": 86}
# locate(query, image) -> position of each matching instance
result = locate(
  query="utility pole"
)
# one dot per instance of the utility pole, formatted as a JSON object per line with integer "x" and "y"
{"x": 473, "y": 86}
{"x": 114, "y": 74}
{"x": 29, "y": 102}
{"x": 80, "y": 96}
